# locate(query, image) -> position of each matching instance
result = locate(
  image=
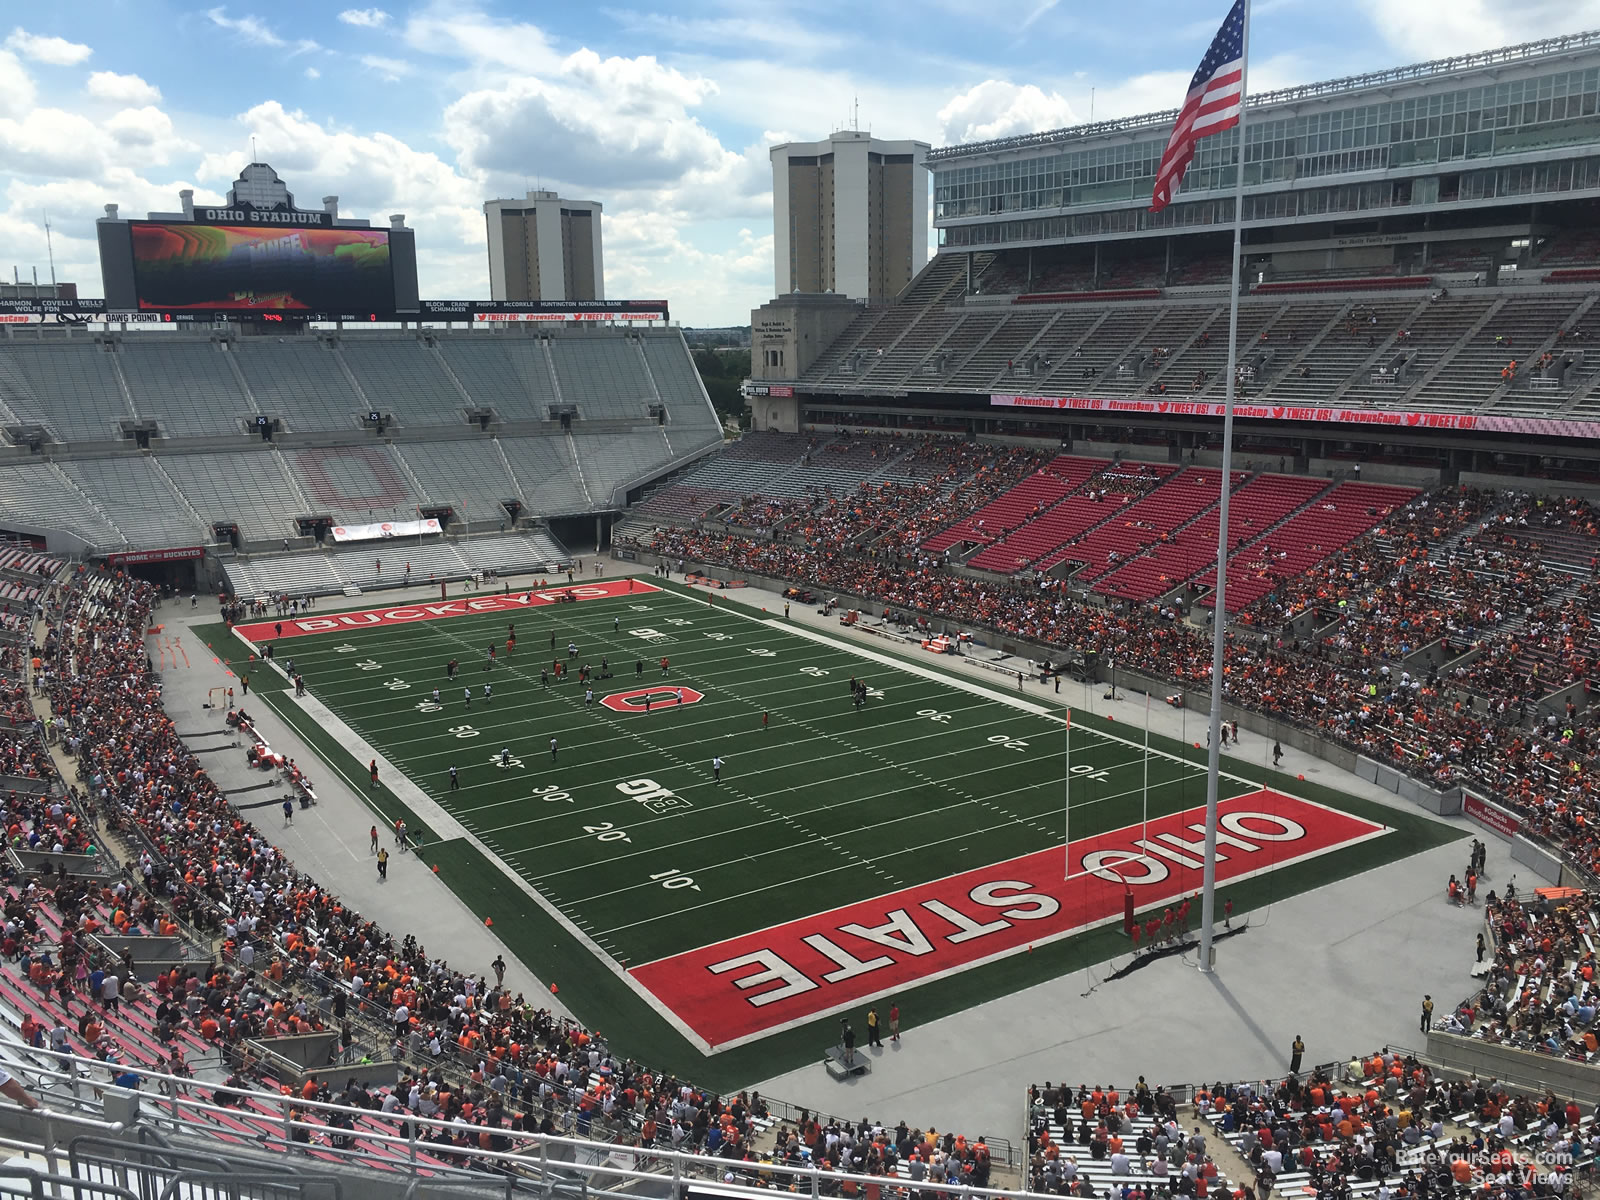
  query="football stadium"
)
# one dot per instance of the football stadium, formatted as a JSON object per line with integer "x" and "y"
{"x": 1115, "y": 720}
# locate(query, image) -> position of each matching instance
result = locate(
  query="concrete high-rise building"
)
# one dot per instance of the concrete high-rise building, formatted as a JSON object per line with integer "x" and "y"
{"x": 849, "y": 215}
{"x": 544, "y": 248}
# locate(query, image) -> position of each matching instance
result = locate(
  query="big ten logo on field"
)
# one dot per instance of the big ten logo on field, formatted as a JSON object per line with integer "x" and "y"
{"x": 653, "y": 796}
{"x": 651, "y": 635}
{"x": 643, "y": 700}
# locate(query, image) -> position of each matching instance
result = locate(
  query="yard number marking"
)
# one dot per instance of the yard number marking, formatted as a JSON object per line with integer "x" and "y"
{"x": 674, "y": 879}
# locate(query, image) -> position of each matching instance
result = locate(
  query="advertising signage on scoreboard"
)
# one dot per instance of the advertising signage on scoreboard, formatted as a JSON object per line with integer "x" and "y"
{"x": 544, "y": 310}
{"x": 80, "y": 312}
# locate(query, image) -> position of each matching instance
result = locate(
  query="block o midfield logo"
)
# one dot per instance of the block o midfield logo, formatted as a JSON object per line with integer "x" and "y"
{"x": 661, "y": 696}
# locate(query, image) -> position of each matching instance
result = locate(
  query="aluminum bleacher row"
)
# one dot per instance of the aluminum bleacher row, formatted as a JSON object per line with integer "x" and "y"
{"x": 1407, "y": 344}
{"x": 471, "y": 421}
{"x": 175, "y": 498}
{"x": 81, "y": 389}
{"x": 369, "y": 566}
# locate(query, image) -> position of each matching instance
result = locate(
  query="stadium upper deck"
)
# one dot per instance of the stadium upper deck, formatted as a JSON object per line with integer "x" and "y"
{"x": 1418, "y": 256}
{"x": 1472, "y": 139}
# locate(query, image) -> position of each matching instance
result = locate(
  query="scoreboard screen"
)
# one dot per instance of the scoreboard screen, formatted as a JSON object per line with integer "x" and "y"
{"x": 261, "y": 269}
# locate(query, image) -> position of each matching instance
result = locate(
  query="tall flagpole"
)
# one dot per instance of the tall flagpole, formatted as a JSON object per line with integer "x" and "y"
{"x": 1066, "y": 807}
{"x": 1208, "y": 901}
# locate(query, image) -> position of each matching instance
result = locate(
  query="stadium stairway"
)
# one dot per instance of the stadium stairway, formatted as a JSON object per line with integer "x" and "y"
{"x": 1330, "y": 522}
{"x": 1041, "y": 532}
{"x": 1178, "y": 327}
{"x": 1000, "y": 517}
{"x": 1523, "y": 392}
{"x": 1413, "y": 395}
{"x": 1257, "y": 506}
{"x": 1340, "y": 351}
{"x": 1171, "y": 505}
{"x": 1066, "y": 520}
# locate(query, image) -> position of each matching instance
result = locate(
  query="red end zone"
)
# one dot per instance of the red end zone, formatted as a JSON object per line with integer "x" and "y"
{"x": 748, "y": 986}
{"x": 433, "y": 610}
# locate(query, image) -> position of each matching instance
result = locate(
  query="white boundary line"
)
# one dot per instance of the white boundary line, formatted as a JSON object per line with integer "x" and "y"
{"x": 1074, "y": 931}
{"x": 347, "y": 737}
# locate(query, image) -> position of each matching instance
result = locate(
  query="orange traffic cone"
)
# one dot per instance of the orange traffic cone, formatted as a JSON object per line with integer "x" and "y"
{"x": 488, "y": 922}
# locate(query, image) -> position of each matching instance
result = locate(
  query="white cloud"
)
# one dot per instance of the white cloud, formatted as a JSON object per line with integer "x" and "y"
{"x": 58, "y": 52}
{"x": 16, "y": 86}
{"x": 313, "y": 73}
{"x": 147, "y": 126}
{"x": 996, "y": 108}
{"x": 391, "y": 70}
{"x": 122, "y": 89}
{"x": 608, "y": 122}
{"x": 373, "y": 174}
{"x": 1429, "y": 29}
{"x": 257, "y": 33}
{"x": 366, "y": 18}
{"x": 494, "y": 50}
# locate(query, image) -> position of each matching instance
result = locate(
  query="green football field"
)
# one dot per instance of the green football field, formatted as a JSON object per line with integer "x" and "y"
{"x": 633, "y": 850}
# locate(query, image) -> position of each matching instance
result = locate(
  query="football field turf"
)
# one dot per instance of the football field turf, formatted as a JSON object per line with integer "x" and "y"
{"x": 847, "y": 854}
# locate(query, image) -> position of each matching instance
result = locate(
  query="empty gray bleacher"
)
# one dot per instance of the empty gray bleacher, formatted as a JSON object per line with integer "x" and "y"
{"x": 504, "y": 372}
{"x": 603, "y": 376}
{"x": 611, "y": 460}
{"x": 72, "y": 388}
{"x": 547, "y": 478}
{"x": 468, "y": 475}
{"x": 299, "y": 382}
{"x": 403, "y": 377}
{"x": 534, "y": 550}
{"x": 678, "y": 381}
{"x": 38, "y": 494}
{"x": 297, "y": 574}
{"x": 355, "y": 483}
{"x": 187, "y": 387}
{"x": 749, "y": 466}
{"x": 248, "y": 488}
{"x": 138, "y": 500}
{"x": 383, "y": 563}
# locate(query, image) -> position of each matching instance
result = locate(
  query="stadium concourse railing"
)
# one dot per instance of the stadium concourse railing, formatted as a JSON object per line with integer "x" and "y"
{"x": 268, "y": 1127}
{"x": 373, "y": 1026}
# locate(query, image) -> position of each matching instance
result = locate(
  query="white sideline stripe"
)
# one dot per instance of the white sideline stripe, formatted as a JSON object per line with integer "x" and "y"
{"x": 962, "y": 968}
{"x": 977, "y": 689}
{"x": 418, "y": 801}
{"x": 346, "y": 737}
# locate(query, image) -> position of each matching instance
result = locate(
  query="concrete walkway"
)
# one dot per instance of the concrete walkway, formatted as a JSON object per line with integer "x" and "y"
{"x": 329, "y": 842}
{"x": 1344, "y": 966}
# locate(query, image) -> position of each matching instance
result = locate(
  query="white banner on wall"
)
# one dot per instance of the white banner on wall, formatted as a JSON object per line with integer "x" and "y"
{"x": 385, "y": 529}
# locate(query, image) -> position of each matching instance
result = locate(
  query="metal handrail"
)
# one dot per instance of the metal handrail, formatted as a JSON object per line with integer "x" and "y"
{"x": 541, "y": 1154}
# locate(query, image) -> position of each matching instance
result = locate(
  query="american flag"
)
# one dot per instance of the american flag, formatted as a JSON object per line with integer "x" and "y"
{"x": 1216, "y": 95}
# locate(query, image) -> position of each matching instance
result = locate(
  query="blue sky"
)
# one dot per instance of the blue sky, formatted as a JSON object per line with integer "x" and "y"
{"x": 664, "y": 113}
